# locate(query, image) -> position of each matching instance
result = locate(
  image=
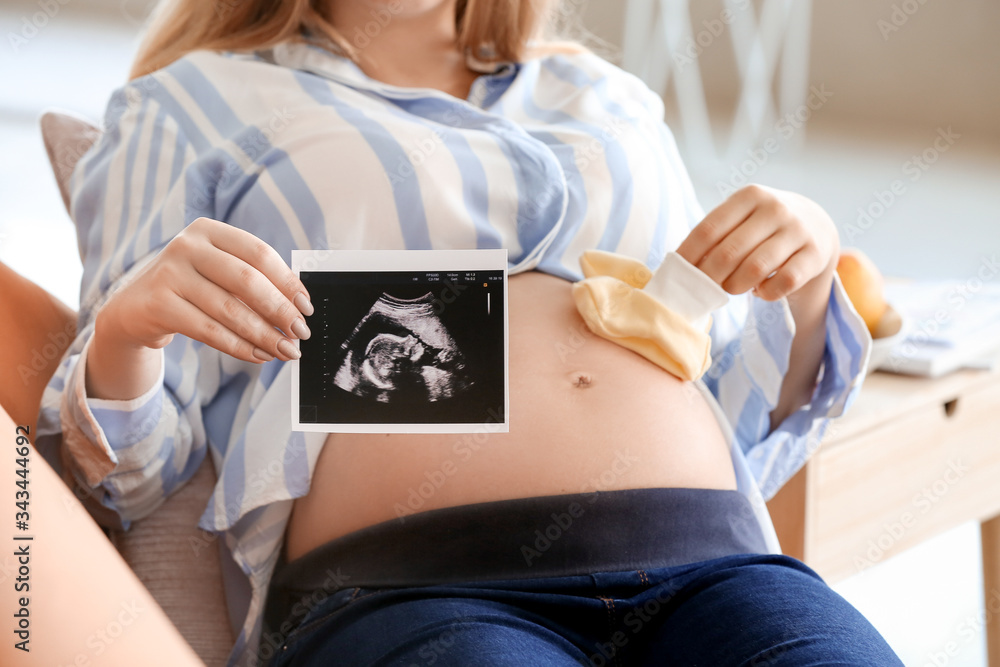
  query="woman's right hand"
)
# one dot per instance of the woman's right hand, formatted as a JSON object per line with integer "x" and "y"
{"x": 214, "y": 283}
{"x": 217, "y": 284}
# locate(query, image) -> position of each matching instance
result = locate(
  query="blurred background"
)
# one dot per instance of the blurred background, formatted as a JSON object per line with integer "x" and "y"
{"x": 886, "y": 112}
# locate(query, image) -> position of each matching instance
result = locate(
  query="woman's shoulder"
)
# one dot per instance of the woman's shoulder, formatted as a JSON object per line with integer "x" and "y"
{"x": 199, "y": 90}
{"x": 584, "y": 69}
{"x": 594, "y": 65}
{"x": 214, "y": 60}
{"x": 201, "y": 68}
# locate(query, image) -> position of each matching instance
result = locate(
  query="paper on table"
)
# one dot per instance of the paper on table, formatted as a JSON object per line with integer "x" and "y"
{"x": 946, "y": 312}
{"x": 949, "y": 325}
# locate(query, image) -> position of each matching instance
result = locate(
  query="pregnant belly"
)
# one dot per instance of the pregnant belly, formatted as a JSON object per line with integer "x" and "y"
{"x": 585, "y": 415}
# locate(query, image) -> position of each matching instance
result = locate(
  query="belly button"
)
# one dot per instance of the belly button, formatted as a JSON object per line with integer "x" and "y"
{"x": 581, "y": 380}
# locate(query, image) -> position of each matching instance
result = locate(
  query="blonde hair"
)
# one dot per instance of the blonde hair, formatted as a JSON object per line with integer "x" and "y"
{"x": 490, "y": 30}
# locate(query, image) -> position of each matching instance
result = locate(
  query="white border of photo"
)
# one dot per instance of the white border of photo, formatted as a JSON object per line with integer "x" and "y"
{"x": 405, "y": 260}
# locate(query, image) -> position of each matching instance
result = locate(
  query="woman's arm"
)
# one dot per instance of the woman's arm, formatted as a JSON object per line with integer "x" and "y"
{"x": 777, "y": 244}
{"x": 767, "y": 352}
{"x": 130, "y": 414}
{"x": 213, "y": 283}
{"x": 809, "y": 306}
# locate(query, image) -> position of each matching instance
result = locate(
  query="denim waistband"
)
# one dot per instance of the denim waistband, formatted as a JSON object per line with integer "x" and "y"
{"x": 526, "y": 538}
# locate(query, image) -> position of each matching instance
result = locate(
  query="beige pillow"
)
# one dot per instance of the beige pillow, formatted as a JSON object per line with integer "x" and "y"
{"x": 176, "y": 561}
{"x": 67, "y": 137}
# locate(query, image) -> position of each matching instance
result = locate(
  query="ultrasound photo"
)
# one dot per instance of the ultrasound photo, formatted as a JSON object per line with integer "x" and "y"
{"x": 402, "y": 351}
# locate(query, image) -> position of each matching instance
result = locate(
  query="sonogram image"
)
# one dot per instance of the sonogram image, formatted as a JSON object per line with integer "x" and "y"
{"x": 400, "y": 350}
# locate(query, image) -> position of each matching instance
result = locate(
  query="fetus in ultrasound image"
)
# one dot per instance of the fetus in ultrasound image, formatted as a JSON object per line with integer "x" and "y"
{"x": 399, "y": 348}
{"x": 401, "y": 351}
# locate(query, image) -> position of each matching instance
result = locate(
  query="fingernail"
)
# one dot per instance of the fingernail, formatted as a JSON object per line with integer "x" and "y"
{"x": 262, "y": 355}
{"x": 302, "y": 303}
{"x": 286, "y": 348}
{"x": 300, "y": 329}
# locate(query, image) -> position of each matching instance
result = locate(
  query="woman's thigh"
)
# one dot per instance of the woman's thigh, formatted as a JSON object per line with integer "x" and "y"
{"x": 441, "y": 626}
{"x": 756, "y": 611}
{"x": 738, "y": 610}
{"x": 85, "y": 586}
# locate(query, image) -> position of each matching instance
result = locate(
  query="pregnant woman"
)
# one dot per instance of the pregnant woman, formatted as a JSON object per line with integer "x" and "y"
{"x": 621, "y": 519}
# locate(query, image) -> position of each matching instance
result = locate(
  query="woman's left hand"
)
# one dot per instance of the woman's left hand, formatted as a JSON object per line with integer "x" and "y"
{"x": 771, "y": 241}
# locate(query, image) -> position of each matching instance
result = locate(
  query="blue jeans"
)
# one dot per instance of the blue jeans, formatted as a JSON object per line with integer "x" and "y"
{"x": 747, "y": 609}
{"x": 627, "y": 577}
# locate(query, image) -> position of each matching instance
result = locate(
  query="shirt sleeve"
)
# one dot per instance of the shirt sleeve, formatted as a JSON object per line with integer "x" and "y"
{"x": 131, "y": 193}
{"x": 751, "y": 348}
{"x": 125, "y": 451}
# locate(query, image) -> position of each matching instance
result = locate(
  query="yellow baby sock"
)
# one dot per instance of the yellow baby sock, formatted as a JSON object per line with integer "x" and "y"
{"x": 664, "y": 316}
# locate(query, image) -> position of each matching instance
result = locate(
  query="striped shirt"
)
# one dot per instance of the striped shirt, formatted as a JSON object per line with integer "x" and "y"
{"x": 546, "y": 158}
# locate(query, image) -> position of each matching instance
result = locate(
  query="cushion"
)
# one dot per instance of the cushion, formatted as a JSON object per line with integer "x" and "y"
{"x": 66, "y": 137}
{"x": 179, "y": 565}
{"x": 177, "y": 562}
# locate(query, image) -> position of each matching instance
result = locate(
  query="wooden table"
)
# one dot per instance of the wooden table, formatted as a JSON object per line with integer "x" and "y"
{"x": 912, "y": 458}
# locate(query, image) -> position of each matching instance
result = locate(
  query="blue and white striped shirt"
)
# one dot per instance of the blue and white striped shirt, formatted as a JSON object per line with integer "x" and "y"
{"x": 546, "y": 158}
